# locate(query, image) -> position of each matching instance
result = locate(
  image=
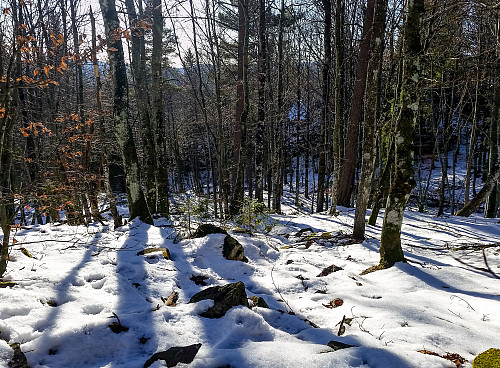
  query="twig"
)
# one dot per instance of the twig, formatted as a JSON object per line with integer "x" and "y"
{"x": 462, "y": 299}
{"x": 341, "y": 327}
{"x": 278, "y": 290}
{"x": 458, "y": 315}
{"x": 487, "y": 269}
{"x": 477, "y": 246}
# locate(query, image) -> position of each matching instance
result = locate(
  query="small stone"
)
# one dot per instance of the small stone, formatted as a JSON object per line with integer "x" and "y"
{"x": 302, "y": 231}
{"x": 175, "y": 355}
{"x": 337, "y": 345}
{"x": 163, "y": 250}
{"x": 199, "y": 279}
{"x": 328, "y": 270}
{"x": 259, "y": 302}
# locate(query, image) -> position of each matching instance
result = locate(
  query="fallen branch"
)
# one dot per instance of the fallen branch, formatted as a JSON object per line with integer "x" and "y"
{"x": 482, "y": 269}
{"x": 477, "y": 246}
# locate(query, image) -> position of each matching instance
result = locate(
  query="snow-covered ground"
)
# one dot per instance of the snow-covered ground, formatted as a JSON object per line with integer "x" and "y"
{"x": 67, "y": 294}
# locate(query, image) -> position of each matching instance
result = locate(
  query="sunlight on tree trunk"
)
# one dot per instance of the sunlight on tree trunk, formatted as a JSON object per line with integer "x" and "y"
{"x": 404, "y": 181}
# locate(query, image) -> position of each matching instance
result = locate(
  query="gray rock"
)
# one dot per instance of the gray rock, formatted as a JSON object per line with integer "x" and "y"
{"x": 233, "y": 250}
{"x": 175, "y": 355}
{"x": 224, "y": 297}
{"x": 337, "y": 345}
{"x": 206, "y": 229}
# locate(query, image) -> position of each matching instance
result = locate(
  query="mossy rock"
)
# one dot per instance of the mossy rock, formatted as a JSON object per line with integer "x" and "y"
{"x": 19, "y": 359}
{"x": 206, "y": 229}
{"x": 163, "y": 250}
{"x": 258, "y": 301}
{"x": 488, "y": 359}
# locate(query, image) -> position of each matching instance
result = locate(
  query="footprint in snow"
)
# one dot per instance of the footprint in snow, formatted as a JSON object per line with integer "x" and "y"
{"x": 94, "y": 277}
{"x": 98, "y": 284}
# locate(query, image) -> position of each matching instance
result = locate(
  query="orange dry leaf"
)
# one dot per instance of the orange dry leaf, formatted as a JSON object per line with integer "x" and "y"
{"x": 428, "y": 352}
{"x": 453, "y": 357}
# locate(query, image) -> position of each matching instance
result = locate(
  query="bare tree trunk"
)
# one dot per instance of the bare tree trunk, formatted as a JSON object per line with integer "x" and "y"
{"x": 390, "y": 242}
{"x": 240, "y": 114}
{"x": 158, "y": 119}
{"x": 325, "y": 114}
{"x": 348, "y": 168}
{"x": 494, "y": 157}
{"x": 105, "y": 153}
{"x": 371, "y": 118}
{"x": 216, "y": 64}
{"x": 489, "y": 187}
{"x": 9, "y": 101}
{"x": 123, "y": 131}
{"x": 278, "y": 138}
{"x": 337, "y": 130}
{"x": 472, "y": 142}
{"x": 142, "y": 96}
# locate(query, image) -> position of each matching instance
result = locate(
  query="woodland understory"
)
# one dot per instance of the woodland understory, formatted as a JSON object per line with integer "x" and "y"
{"x": 211, "y": 106}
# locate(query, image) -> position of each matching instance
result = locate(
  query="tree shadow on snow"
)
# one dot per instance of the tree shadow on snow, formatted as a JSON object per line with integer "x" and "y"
{"x": 436, "y": 283}
{"x": 58, "y": 314}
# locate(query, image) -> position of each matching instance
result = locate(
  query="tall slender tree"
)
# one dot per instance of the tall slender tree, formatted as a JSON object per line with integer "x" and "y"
{"x": 121, "y": 119}
{"x": 372, "y": 102}
{"x": 404, "y": 170}
{"x": 348, "y": 168}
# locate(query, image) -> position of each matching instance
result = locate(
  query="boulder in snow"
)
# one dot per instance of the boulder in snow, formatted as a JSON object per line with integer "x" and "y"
{"x": 224, "y": 297}
{"x": 233, "y": 250}
{"x": 206, "y": 229}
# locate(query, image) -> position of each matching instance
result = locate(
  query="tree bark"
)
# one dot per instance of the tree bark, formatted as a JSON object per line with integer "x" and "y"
{"x": 346, "y": 179}
{"x": 261, "y": 113}
{"x": 158, "y": 120}
{"x": 121, "y": 121}
{"x": 371, "y": 117}
{"x": 337, "y": 129}
{"x": 404, "y": 181}
{"x": 105, "y": 154}
{"x": 494, "y": 156}
{"x": 325, "y": 112}
{"x": 142, "y": 97}
{"x": 240, "y": 113}
{"x": 489, "y": 187}
{"x": 278, "y": 138}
